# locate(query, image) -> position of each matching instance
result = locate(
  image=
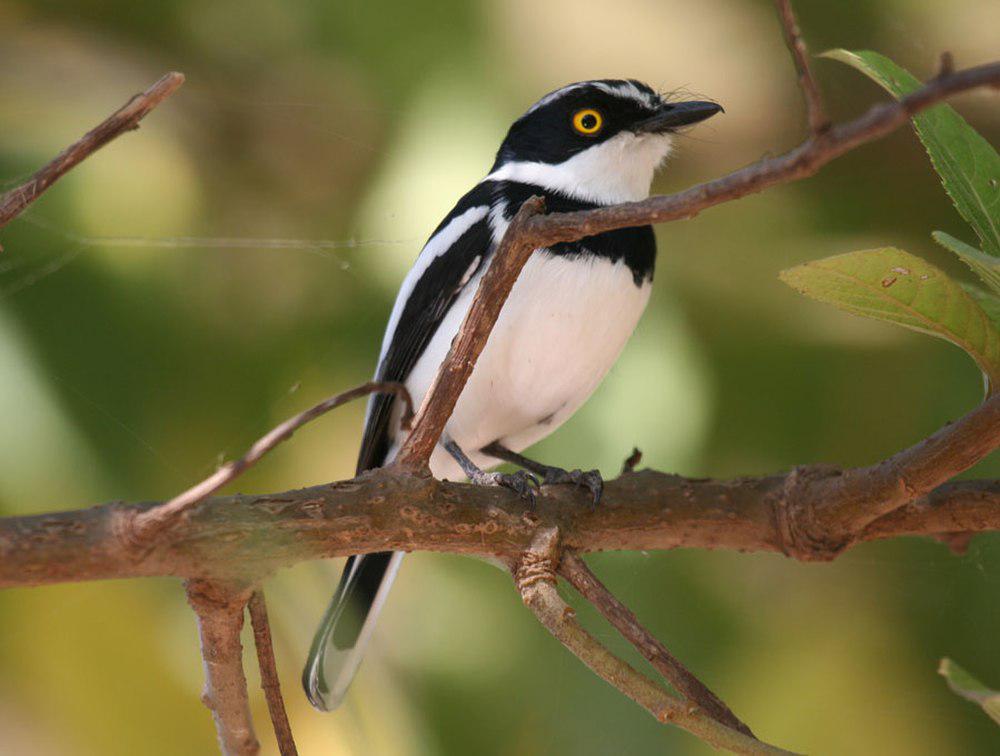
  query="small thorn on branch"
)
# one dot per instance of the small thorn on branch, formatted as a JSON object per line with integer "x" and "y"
{"x": 957, "y": 543}
{"x": 947, "y": 65}
{"x": 632, "y": 460}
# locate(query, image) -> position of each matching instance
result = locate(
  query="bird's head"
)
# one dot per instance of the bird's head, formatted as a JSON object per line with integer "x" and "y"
{"x": 599, "y": 141}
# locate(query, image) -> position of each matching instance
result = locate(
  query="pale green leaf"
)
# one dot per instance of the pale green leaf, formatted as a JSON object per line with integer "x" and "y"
{"x": 892, "y": 285}
{"x": 969, "y": 166}
{"x": 969, "y": 688}
{"x": 989, "y": 301}
{"x": 983, "y": 265}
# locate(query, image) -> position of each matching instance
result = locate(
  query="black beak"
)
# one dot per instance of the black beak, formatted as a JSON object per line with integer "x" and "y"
{"x": 674, "y": 115}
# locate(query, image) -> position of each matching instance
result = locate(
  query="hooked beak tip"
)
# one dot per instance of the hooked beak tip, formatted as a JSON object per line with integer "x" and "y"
{"x": 674, "y": 115}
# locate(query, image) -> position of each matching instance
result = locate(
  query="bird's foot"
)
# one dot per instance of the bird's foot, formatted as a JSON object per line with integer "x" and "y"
{"x": 524, "y": 484}
{"x": 591, "y": 480}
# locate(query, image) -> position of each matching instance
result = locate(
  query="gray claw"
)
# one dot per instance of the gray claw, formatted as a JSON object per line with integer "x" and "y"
{"x": 524, "y": 484}
{"x": 591, "y": 480}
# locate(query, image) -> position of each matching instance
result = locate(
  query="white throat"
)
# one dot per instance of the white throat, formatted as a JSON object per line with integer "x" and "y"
{"x": 618, "y": 170}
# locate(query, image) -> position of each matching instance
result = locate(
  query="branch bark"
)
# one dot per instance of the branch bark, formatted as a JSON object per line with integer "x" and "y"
{"x": 248, "y": 537}
{"x": 127, "y": 118}
{"x": 219, "y": 607}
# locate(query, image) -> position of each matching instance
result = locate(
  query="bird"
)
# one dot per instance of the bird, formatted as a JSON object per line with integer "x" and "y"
{"x": 571, "y": 311}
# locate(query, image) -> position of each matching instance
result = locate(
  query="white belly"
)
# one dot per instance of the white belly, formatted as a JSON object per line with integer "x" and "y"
{"x": 560, "y": 331}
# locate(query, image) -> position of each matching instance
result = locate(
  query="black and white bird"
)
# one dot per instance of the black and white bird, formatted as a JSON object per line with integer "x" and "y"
{"x": 567, "y": 319}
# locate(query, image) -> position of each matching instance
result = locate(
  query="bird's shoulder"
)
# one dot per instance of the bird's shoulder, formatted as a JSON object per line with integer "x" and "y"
{"x": 635, "y": 246}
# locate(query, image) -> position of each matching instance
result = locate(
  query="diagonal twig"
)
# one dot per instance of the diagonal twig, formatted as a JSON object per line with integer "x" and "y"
{"x": 269, "y": 681}
{"x": 580, "y": 576}
{"x": 535, "y": 579}
{"x": 147, "y": 524}
{"x": 511, "y": 255}
{"x": 818, "y": 122}
{"x": 13, "y": 202}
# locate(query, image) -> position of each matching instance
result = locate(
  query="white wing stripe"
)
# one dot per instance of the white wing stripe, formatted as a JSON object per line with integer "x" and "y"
{"x": 436, "y": 246}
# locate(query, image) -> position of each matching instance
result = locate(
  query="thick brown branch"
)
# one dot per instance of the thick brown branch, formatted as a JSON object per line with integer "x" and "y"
{"x": 576, "y": 571}
{"x": 269, "y": 681}
{"x": 13, "y": 202}
{"x": 219, "y": 607}
{"x": 535, "y": 578}
{"x": 511, "y": 255}
{"x": 250, "y": 536}
{"x": 147, "y": 524}
{"x": 818, "y": 122}
{"x": 844, "y": 504}
{"x": 811, "y": 513}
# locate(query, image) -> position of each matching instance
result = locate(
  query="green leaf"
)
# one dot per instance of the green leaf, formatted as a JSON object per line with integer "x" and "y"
{"x": 989, "y": 301}
{"x": 969, "y": 688}
{"x": 968, "y": 165}
{"x": 983, "y": 265}
{"x": 892, "y": 285}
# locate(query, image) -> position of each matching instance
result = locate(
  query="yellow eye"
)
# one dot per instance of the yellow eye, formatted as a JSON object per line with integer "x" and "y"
{"x": 587, "y": 121}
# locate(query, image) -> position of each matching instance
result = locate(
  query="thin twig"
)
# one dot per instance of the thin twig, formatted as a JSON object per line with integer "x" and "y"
{"x": 511, "y": 255}
{"x": 576, "y": 571}
{"x": 149, "y": 523}
{"x": 535, "y": 578}
{"x": 269, "y": 681}
{"x": 219, "y": 608}
{"x": 818, "y": 122}
{"x": 127, "y": 118}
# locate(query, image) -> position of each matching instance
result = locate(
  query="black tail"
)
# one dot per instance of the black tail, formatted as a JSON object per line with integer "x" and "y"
{"x": 348, "y": 623}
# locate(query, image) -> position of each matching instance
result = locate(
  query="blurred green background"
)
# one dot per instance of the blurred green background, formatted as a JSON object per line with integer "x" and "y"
{"x": 133, "y": 358}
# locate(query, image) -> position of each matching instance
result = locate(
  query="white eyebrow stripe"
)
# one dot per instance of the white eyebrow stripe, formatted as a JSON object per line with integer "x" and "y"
{"x": 623, "y": 89}
{"x": 629, "y": 90}
{"x": 555, "y": 95}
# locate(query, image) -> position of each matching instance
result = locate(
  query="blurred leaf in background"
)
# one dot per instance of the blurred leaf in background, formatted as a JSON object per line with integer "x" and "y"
{"x": 969, "y": 688}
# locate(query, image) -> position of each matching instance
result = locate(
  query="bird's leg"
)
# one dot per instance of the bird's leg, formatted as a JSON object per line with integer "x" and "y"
{"x": 591, "y": 479}
{"x": 521, "y": 482}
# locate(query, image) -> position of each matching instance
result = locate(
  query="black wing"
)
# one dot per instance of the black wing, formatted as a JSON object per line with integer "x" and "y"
{"x": 427, "y": 304}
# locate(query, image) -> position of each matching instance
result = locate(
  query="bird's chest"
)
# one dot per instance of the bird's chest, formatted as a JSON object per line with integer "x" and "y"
{"x": 560, "y": 331}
